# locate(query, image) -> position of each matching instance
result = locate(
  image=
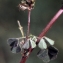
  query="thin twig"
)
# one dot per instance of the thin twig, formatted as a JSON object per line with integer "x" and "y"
{"x": 28, "y": 30}
{"x": 20, "y": 28}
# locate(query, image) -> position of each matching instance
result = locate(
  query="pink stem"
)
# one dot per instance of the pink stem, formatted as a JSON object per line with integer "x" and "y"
{"x": 23, "y": 60}
{"x": 49, "y": 25}
{"x": 29, "y": 13}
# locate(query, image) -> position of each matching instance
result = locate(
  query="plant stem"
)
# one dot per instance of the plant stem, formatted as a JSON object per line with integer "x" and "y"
{"x": 28, "y": 30}
{"x": 20, "y": 28}
{"x": 49, "y": 25}
{"x": 23, "y": 60}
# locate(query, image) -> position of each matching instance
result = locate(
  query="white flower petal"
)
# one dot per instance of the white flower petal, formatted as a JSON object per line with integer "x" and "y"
{"x": 42, "y": 44}
{"x": 33, "y": 44}
{"x": 26, "y": 45}
{"x": 51, "y": 42}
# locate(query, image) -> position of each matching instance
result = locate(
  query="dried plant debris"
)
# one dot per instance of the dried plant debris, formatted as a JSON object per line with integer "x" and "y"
{"x": 26, "y": 4}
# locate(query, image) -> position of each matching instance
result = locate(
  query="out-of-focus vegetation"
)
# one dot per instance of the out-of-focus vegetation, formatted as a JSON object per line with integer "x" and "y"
{"x": 43, "y": 12}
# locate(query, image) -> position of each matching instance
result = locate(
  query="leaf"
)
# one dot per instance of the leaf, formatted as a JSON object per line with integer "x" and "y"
{"x": 16, "y": 49}
{"x": 43, "y": 54}
{"x": 48, "y": 54}
{"x": 50, "y": 41}
{"x": 52, "y": 52}
{"x": 26, "y": 44}
{"x": 12, "y": 41}
{"x": 33, "y": 44}
{"x": 42, "y": 44}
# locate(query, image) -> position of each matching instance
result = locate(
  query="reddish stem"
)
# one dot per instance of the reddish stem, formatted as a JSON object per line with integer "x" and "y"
{"x": 23, "y": 60}
{"x": 49, "y": 25}
{"x": 29, "y": 13}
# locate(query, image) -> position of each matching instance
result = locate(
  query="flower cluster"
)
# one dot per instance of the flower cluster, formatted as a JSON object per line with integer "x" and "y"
{"x": 47, "y": 50}
{"x": 18, "y": 44}
{"x": 26, "y": 4}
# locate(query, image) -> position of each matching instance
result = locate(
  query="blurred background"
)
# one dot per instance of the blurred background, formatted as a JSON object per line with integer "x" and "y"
{"x": 42, "y": 13}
